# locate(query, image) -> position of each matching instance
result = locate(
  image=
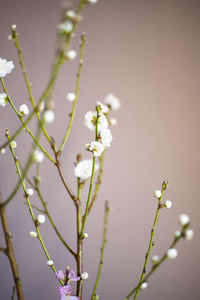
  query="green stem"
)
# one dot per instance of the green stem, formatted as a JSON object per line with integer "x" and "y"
{"x": 29, "y": 205}
{"x": 150, "y": 243}
{"x": 76, "y": 94}
{"x": 104, "y": 240}
{"x": 24, "y": 123}
{"x": 28, "y": 85}
{"x": 154, "y": 268}
{"x": 46, "y": 211}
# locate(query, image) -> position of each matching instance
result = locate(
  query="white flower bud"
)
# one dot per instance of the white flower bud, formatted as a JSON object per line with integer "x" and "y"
{"x": 177, "y": 234}
{"x": 168, "y": 204}
{"x": 71, "y": 54}
{"x": 38, "y": 156}
{"x": 10, "y": 37}
{"x": 3, "y": 99}
{"x": 71, "y": 97}
{"x": 184, "y": 219}
{"x": 85, "y": 235}
{"x": 157, "y": 194}
{"x": 71, "y": 14}
{"x": 113, "y": 121}
{"x": 155, "y": 259}
{"x": 84, "y": 275}
{"x": 144, "y": 285}
{"x": 66, "y": 27}
{"x": 48, "y": 116}
{"x": 13, "y": 144}
{"x": 23, "y": 110}
{"x": 41, "y": 219}
{"x": 3, "y": 151}
{"x": 29, "y": 192}
{"x": 33, "y": 234}
{"x": 41, "y": 107}
{"x": 189, "y": 234}
{"x": 92, "y": 1}
{"x": 50, "y": 262}
{"x": 172, "y": 253}
{"x": 14, "y": 27}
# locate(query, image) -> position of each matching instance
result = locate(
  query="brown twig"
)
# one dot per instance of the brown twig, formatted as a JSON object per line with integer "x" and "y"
{"x": 9, "y": 251}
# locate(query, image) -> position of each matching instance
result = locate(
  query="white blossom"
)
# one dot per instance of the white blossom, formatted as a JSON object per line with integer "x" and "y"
{"x": 71, "y": 54}
{"x": 144, "y": 285}
{"x": 84, "y": 168}
{"x": 112, "y": 101}
{"x": 13, "y": 144}
{"x": 168, "y": 204}
{"x": 97, "y": 148}
{"x": 172, "y": 253}
{"x": 29, "y": 192}
{"x": 106, "y": 137}
{"x": 50, "y": 262}
{"x": 90, "y": 121}
{"x": 3, "y": 99}
{"x": 33, "y": 234}
{"x": 157, "y": 193}
{"x": 104, "y": 108}
{"x": 49, "y": 116}
{"x": 66, "y": 27}
{"x": 84, "y": 275}
{"x": 113, "y": 121}
{"x": 71, "y": 97}
{"x": 41, "y": 219}
{"x": 38, "y": 156}
{"x": 23, "y": 110}
{"x": 3, "y": 151}
{"x": 184, "y": 219}
{"x": 189, "y": 234}
{"x": 10, "y": 37}
{"x": 155, "y": 259}
{"x": 5, "y": 67}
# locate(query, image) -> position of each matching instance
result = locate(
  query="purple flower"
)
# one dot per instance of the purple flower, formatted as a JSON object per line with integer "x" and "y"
{"x": 67, "y": 276}
{"x": 66, "y": 293}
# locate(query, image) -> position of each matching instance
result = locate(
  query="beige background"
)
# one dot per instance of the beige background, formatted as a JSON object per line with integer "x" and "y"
{"x": 147, "y": 53}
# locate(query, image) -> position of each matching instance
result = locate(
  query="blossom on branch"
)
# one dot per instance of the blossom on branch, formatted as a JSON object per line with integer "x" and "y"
{"x": 66, "y": 293}
{"x": 83, "y": 169}
{"x": 6, "y": 67}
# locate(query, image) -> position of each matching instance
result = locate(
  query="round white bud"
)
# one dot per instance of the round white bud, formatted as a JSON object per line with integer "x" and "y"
{"x": 38, "y": 156}
{"x": 33, "y": 234}
{"x": 23, "y": 110}
{"x": 48, "y": 116}
{"x": 177, "y": 234}
{"x": 71, "y": 97}
{"x": 13, "y": 144}
{"x": 14, "y": 27}
{"x": 3, "y": 151}
{"x": 41, "y": 219}
{"x": 50, "y": 262}
{"x": 71, "y": 54}
{"x": 85, "y": 235}
{"x": 113, "y": 121}
{"x": 155, "y": 259}
{"x": 172, "y": 253}
{"x": 157, "y": 193}
{"x": 84, "y": 275}
{"x": 184, "y": 219}
{"x": 71, "y": 14}
{"x": 168, "y": 204}
{"x": 144, "y": 285}
{"x": 189, "y": 234}
{"x": 29, "y": 192}
{"x": 10, "y": 37}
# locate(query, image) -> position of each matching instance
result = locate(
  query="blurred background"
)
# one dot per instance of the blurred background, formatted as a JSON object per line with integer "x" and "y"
{"x": 147, "y": 54}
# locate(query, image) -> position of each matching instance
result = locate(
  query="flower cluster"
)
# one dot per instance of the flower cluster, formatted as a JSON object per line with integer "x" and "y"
{"x": 98, "y": 121}
{"x": 66, "y": 290}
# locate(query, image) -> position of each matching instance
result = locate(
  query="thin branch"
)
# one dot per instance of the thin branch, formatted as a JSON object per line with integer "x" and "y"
{"x": 76, "y": 95}
{"x": 29, "y": 205}
{"x": 104, "y": 240}
{"x": 46, "y": 211}
{"x": 164, "y": 185}
{"x": 10, "y": 252}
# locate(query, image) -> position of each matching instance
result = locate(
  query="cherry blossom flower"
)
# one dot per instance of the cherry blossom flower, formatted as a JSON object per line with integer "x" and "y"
{"x": 91, "y": 118}
{"x": 6, "y": 67}
{"x": 83, "y": 169}
{"x": 66, "y": 293}
{"x": 112, "y": 101}
{"x": 67, "y": 276}
{"x": 97, "y": 148}
{"x": 106, "y": 137}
